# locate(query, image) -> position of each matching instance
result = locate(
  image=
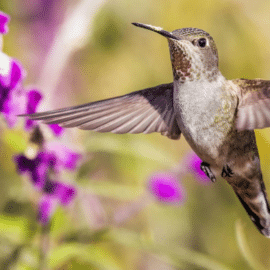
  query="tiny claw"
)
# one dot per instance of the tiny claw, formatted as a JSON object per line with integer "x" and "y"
{"x": 205, "y": 167}
{"x": 226, "y": 171}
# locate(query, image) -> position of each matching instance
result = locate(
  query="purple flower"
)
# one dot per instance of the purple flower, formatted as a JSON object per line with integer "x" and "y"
{"x": 46, "y": 208}
{"x": 65, "y": 157}
{"x": 20, "y": 102}
{"x": 166, "y": 188}
{"x": 54, "y": 193}
{"x": 14, "y": 99}
{"x": 36, "y": 168}
{"x": 193, "y": 166}
{"x": 4, "y": 19}
{"x": 48, "y": 160}
{"x": 11, "y": 75}
{"x": 14, "y": 105}
{"x": 56, "y": 129}
{"x": 62, "y": 192}
{"x": 33, "y": 99}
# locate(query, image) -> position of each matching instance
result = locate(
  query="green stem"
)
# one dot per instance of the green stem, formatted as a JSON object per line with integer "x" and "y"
{"x": 177, "y": 255}
{"x": 12, "y": 259}
{"x": 44, "y": 246}
{"x": 244, "y": 248}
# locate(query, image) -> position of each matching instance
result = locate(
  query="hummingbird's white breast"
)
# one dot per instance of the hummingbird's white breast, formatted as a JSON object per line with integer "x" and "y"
{"x": 205, "y": 113}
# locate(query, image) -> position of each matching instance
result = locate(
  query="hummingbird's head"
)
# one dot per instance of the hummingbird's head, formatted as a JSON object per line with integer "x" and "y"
{"x": 193, "y": 53}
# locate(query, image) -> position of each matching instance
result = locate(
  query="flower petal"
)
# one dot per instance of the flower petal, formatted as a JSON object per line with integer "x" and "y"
{"x": 13, "y": 106}
{"x": 4, "y": 19}
{"x": 12, "y": 96}
{"x": 37, "y": 168}
{"x": 166, "y": 188}
{"x": 23, "y": 163}
{"x": 46, "y": 208}
{"x": 57, "y": 130}
{"x": 17, "y": 73}
{"x": 5, "y": 70}
{"x": 33, "y": 99}
{"x": 65, "y": 157}
{"x": 62, "y": 192}
{"x": 68, "y": 194}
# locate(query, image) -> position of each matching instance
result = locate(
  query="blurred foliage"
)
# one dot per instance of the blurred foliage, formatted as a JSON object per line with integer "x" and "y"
{"x": 211, "y": 230}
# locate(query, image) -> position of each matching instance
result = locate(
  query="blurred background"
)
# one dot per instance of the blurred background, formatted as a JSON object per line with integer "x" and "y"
{"x": 83, "y": 51}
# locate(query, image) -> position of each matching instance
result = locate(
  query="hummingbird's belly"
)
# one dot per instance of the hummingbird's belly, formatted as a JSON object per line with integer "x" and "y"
{"x": 205, "y": 118}
{"x": 205, "y": 141}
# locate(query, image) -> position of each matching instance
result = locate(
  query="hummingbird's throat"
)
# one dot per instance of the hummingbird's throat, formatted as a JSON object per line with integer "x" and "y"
{"x": 181, "y": 62}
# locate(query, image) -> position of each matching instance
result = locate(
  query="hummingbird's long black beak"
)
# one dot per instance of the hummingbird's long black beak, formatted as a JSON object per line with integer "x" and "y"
{"x": 158, "y": 30}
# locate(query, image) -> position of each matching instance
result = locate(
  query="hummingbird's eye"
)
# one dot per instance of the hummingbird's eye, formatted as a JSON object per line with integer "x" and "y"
{"x": 202, "y": 42}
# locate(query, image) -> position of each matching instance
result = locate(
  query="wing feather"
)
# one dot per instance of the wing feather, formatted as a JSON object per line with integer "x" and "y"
{"x": 254, "y": 104}
{"x": 116, "y": 122}
{"x": 146, "y": 111}
{"x": 94, "y": 121}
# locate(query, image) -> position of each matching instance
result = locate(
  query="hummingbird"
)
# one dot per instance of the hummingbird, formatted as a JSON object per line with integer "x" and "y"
{"x": 216, "y": 116}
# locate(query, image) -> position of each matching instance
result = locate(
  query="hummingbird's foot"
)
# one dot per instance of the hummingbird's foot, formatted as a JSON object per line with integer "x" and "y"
{"x": 226, "y": 171}
{"x": 205, "y": 167}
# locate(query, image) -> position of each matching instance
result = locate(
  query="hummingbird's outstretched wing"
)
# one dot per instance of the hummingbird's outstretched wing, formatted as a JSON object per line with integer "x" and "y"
{"x": 146, "y": 111}
{"x": 253, "y": 110}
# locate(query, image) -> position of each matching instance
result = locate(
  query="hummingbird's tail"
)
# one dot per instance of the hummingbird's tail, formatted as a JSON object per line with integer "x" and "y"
{"x": 253, "y": 197}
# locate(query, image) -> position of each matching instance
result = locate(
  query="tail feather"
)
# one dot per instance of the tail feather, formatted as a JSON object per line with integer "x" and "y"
{"x": 256, "y": 204}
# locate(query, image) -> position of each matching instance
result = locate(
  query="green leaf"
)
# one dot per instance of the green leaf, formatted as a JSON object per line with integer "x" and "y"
{"x": 93, "y": 254}
{"x": 14, "y": 228}
{"x": 28, "y": 259}
{"x": 60, "y": 223}
{"x": 14, "y": 139}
